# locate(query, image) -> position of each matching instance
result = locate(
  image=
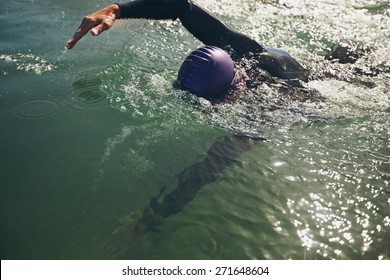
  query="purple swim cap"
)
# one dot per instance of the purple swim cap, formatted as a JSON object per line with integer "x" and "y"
{"x": 207, "y": 72}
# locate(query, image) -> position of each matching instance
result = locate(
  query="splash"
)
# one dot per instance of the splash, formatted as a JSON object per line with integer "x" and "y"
{"x": 140, "y": 85}
{"x": 113, "y": 142}
{"x": 28, "y": 63}
{"x": 133, "y": 158}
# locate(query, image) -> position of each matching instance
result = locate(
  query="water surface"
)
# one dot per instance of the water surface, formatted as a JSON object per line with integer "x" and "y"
{"x": 92, "y": 134}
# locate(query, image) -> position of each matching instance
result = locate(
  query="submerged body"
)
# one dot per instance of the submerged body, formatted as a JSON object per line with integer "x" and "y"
{"x": 259, "y": 64}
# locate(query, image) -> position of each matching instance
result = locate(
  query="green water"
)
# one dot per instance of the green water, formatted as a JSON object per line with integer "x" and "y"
{"x": 92, "y": 134}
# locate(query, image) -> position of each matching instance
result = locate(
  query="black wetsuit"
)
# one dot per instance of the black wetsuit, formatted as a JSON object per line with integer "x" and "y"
{"x": 211, "y": 31}
{"x": 260, "y": 63}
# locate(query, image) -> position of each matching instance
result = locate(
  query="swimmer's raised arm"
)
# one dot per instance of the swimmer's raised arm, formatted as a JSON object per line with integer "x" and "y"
{"x": 203, "y": 25}
{"x": 103, "y": 19}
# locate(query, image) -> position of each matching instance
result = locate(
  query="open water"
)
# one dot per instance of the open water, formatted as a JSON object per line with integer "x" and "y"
{"x": 91, "y": 134}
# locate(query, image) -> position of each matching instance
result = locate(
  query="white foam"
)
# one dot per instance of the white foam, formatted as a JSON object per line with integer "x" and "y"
{"x": 28, "y": 63}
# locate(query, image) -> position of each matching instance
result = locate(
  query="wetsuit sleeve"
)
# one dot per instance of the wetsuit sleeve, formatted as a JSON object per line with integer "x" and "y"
{"x": 211, "y": 31}
{"x": 153, "y": 9}
{"x": 203, "y": 25}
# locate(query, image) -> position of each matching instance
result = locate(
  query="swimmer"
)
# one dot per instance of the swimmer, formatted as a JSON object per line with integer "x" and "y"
{"x": 214, "y": 75}
{"x": 218, "y": 71}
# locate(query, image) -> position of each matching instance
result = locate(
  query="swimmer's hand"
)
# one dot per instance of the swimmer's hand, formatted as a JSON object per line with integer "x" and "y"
{"x": 123, "y": 238}
{"x": 96, "y": 23}
{"x": 133, "y": 227}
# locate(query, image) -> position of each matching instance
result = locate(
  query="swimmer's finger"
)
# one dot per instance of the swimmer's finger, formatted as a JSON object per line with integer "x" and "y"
{"x": 86, "y": 25}
{"x": 100, "y": 28}
{"x": 96, "y": 23}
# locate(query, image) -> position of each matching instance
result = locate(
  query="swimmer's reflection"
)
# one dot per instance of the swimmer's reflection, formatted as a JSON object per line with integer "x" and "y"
{"x": 220, "y": 155}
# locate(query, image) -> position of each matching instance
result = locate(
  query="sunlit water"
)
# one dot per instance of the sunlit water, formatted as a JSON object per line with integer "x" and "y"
{"x": 92, "y": 134}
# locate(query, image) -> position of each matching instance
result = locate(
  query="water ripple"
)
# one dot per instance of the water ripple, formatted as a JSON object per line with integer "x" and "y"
{"x": 86, "y": 94}
{"x": 37, "y": 109}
